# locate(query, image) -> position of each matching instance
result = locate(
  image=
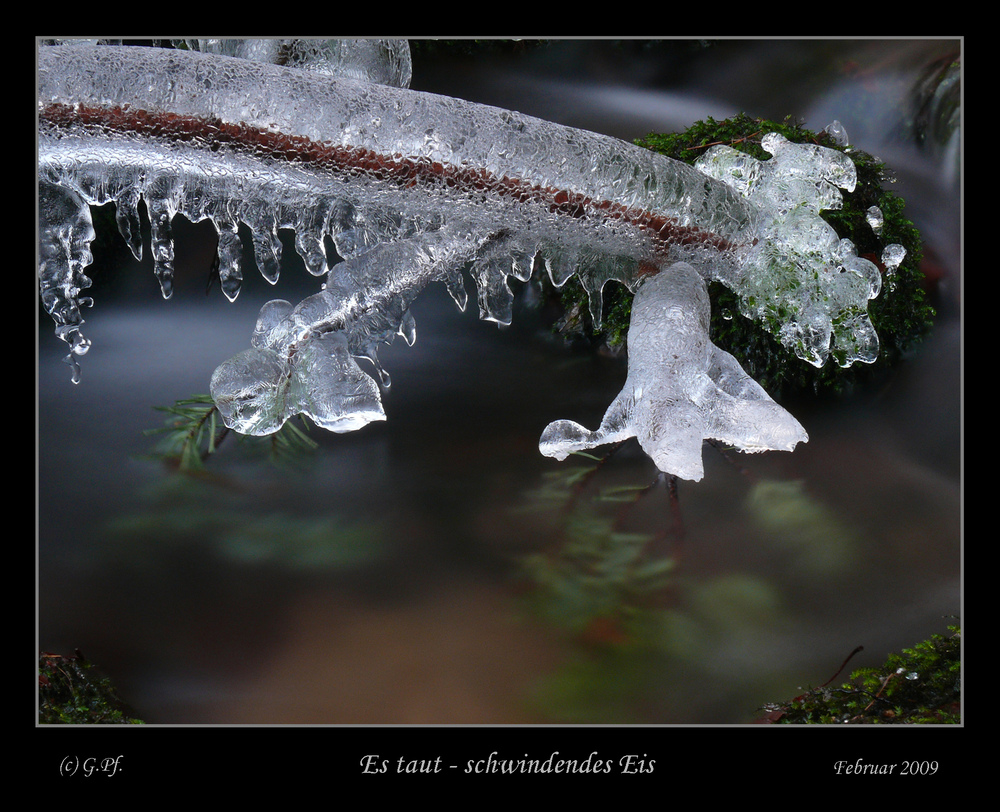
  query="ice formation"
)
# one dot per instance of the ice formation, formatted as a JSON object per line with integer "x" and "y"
{"x": 681, "y": 389}
{"x": 413, "y": 188}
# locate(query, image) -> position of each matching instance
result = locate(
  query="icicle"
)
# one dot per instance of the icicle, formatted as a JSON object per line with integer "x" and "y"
{"x": 681, "y": 388}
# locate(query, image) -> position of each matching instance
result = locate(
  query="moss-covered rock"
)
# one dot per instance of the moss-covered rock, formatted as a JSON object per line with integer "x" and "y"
{"x": 919, "y": 685}
{"x": 902, "y": 314}
{"x": 72, "y": 692}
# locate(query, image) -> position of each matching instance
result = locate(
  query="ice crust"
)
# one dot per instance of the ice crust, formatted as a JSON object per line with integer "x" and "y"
{"x": 432, "y": 189}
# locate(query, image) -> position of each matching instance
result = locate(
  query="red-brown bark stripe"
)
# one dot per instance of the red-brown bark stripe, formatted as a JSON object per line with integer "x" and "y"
{"x": 398, "y": 169}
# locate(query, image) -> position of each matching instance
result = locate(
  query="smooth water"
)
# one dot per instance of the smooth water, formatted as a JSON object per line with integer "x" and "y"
{"x": 384, "y": 582}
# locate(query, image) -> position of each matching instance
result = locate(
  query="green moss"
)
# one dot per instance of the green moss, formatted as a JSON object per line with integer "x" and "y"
{"x": 920, "y": 685}
{"x": 902, "y": 315}
{"x": 70, "y": 692}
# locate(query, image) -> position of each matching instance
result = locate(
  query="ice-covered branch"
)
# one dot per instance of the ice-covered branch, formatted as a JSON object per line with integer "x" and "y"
{"x": 414, "y": 188}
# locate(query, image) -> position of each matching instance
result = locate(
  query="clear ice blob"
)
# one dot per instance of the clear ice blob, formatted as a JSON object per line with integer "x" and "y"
{"x": 681, "y": 389}
{"x": 875, "y": 219}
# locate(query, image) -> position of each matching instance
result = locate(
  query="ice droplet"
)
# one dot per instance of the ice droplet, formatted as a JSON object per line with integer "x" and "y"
{"x": 837, "y": 132}
{"x": 893, "y": 256}
{"x": 875, "y": 219}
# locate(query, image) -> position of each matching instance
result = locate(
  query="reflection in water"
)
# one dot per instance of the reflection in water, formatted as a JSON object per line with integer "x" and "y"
{"x": 408, "y": 573}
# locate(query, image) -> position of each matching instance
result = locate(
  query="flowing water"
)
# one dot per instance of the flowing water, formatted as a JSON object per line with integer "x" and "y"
{"x": 407, "y": 573}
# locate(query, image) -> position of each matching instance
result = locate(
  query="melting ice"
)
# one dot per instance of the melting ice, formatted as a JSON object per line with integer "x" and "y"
{"x": 414, "y": 188}
{"x": 681, "y": 389}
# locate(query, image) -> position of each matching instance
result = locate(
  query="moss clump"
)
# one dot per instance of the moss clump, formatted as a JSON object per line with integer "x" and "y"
{"x": 920, "y": 685}
{"x": 901, "y": 314}
{"x": 70, "y": 692}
